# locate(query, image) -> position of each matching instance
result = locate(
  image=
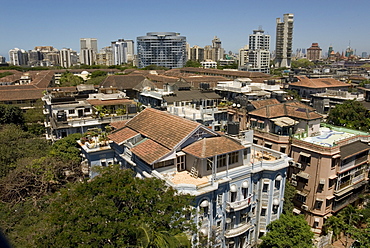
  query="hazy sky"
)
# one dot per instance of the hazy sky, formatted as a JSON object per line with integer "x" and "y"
{"x": 29, "y": 23}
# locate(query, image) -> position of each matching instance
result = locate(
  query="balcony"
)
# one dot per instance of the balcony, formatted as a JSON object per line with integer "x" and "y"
{"x": 240, "y": 229}
{"x": 239, "y": 205}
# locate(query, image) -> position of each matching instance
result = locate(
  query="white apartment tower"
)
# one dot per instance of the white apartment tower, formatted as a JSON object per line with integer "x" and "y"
{"x": 123, "y": 51}
{"x": 259, "y": 51}
{"x": 284, "y": 39}
{"x": 67, "y": 57}
{"x": 88, "y": 50}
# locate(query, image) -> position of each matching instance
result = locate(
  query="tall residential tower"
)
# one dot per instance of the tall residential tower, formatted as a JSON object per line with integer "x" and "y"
{"x": 89, "y": 49}
{"x": 259, "y": 51}
{"x": 284, "y": 38}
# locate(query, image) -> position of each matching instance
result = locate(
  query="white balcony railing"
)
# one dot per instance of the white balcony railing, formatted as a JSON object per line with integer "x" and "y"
{"x": 239, "y": 205}
{"x": 240, "y": 229}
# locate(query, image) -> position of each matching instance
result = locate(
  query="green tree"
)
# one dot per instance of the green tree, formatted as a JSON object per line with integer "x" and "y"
{"x": 98, "y": 73}
{"x": 302, "y": 63}
{"x": 351, "y": 114}
{"x": 289, "y": 194}
{"x": 68, "y": 79}
{"x": 11, "y": 114}
{"x": 288, "y": 231}
{"x": 108, "y": 210}
{"x": 192, "y": 63}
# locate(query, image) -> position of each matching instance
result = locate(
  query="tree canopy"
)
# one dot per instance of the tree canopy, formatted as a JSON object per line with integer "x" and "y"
{"x": 10, "y": 114}
{"x": 288, "y": 231}
{"x": 192, "y": 63}
{"x": 302, "y": 63}
{"x": 115, "y": 209}
{"x": 351, "y": 114}
{"x": 69, "y": 79}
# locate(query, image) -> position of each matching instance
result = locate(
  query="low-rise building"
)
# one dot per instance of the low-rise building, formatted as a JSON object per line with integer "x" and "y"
{"x": 238, "y": 187}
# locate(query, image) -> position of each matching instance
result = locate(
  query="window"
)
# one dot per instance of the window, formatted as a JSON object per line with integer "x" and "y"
{"x": 275, "y": 209}
{"x": 277, "y": 184}
{"x": 233, "y": 157}
{"x": 233, "y": 196}
{"x": 180, "y": 161}
{"x": 245, "y": 193}
{"x": 87, "y": 110}
{"x": 263, "y": 211}
{"x": 103, "y": 163}
{"x": 265, "y": 187}
{"x": 305, "y": 158}
{"x": 268, "y": 145}
{"x": 301, "y": 198}
{"x": 283, "y": 149}
{"x": 71, "y": 111}
{"x": 221, "y": 160}
{"x": 209, "y": 163}
{"x": 318, "y": 204}
{"x": 219, "y": 199}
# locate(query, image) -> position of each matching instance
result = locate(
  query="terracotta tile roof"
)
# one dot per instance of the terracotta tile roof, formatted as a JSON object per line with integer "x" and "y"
{"x": 162, "y": 127}
{"x": 122, "y": 135}
{"x": 21, "y": 94}
{"x": 290, "y": 109}
{"x": 118, "y": 124}
{"x": 150, "y": 151}
{"x": 262, "y": 103}
{"x": 212, "y": 146}
{"x": 96, "y": 102}
{"x": 318, "y": 82}
{"x": 122, "y": 82}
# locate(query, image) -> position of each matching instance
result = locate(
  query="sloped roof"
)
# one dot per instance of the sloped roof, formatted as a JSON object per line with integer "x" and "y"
{"x": 290, "y": 109}
{"x": 122, "y": 135}
{"x": 162, "y": 127}
{"x": 209, "y": 147}
{"x": 118, "y": 124}
{"x": 150, "y": 151}
{"x": 262, "y": 103}
{"x": 318, "y": 82}
{"x": 96, "y": 102}
{"x": 122, "y": 81}
{"x": 188, "y": 95}
{"x": 21, "y": 94}
{"x": 353, "y": 149}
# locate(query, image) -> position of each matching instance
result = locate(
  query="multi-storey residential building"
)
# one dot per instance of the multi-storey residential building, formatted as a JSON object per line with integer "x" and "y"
{"x": 243, "y": 57}
{"x": 259, "y": 52}
{"x": 314, "y": 52}
{"x": 88, "y": 50}
{"x": 105, "y": 56}
{"x": 330, "y": 164}
{"x": 18, "y": 56}
{"x": 238, "y": 187}
{"x": 76, "y": 109}
{"x": 68, "y": 57}
{"x": 196, "y": 53}
{"x": 284, "y": 39}
{"x": 166, "y": 49}
{"x": 2, "y": 60}
{"x": 123, "y": 51}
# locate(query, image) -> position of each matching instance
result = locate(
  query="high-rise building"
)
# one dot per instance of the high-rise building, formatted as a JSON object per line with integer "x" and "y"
{"x": 196, "y": 53}
{"x": 284, "y": 39}
{"x": 88, "y": 50}
{"x": 18, "y": 56}
{"x": 218, "y": 51}
{"x": 68, "y": 57}
{"x": 314, "y": 52}
{"x": 259, "y": 52}
{"x": 123, "y": 51}
{"x": 166, "y": 49}
{"x": 2, "y": 60}
{"x": 105, "y": 56}
{"x": 243, "y": 57}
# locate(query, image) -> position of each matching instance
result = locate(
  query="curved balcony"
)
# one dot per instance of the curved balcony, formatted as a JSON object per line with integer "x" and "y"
{"x": 239, "y": 205}
{"x": 240, "y": 229}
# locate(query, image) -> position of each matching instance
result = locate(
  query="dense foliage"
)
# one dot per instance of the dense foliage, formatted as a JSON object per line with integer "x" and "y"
{"x": 289, "y": 194}
{"x": 69, "y": 79}
{"x": 288, "y": 231}
{"x": 10, "y": 114}
{"x": 351, "y": 114}
{"x": 302, "y": 63}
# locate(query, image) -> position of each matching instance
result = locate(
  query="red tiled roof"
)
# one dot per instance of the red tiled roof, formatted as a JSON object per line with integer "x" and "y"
{"x": 150, "y": 151}
{"x": 118, "y": 124}
{"x": 21, "y": 94}
{"x": 318, "y": 82}
{"x": 122, "y": 135}
{"x": 291, "y": 109}
{"x": 162, "y": 127}
{"x": 262, "y": 103}
{"x": 209, "y": 147}
{"x": 122, "y": 81}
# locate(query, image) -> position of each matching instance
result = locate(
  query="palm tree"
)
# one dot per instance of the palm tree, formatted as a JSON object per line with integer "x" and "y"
{"x": 147, "y": 237}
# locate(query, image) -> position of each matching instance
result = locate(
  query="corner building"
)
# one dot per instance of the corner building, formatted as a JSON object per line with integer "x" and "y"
{"x": 166, "y": 49}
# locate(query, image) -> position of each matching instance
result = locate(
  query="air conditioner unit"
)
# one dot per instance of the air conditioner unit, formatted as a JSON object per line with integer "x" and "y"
{"x": 304, "y": 207}
{"x": 294, "y": 183}
{"x": 294, "y": 176}
{"x": 299, "y": 165}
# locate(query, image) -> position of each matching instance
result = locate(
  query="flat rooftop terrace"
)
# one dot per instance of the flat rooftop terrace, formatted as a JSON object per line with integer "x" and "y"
{"x": 329, "y": 136}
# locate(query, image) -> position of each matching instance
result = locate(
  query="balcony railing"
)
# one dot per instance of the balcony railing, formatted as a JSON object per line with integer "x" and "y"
{"x": 239, "y": 205}
{"x": 240, "y": 229}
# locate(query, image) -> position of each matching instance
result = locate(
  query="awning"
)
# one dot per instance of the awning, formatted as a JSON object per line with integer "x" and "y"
{"x": 303, "y": 175}
{"x": 284, "y": 122}
{"x": 259, "y": 121}
{"x": 322, "y": 181}
{"x": 332, "y": 177}
{"x": 317, "y": 220}
{"x": 253, "y": 119}
{"x": 336, "y": 156}
{"x": 296, "y": 211}
{"x": 319, "y": 199}
{"x": 305, "y": 154}
{"x": 330, "y": 197}
{"x": 301, "y": 193}
{"x": 233, "y": 188}
{"x": 268, "y": 143}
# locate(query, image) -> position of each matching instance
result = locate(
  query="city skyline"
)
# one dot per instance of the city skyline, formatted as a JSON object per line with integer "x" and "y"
{"x": 61, "y": 24}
